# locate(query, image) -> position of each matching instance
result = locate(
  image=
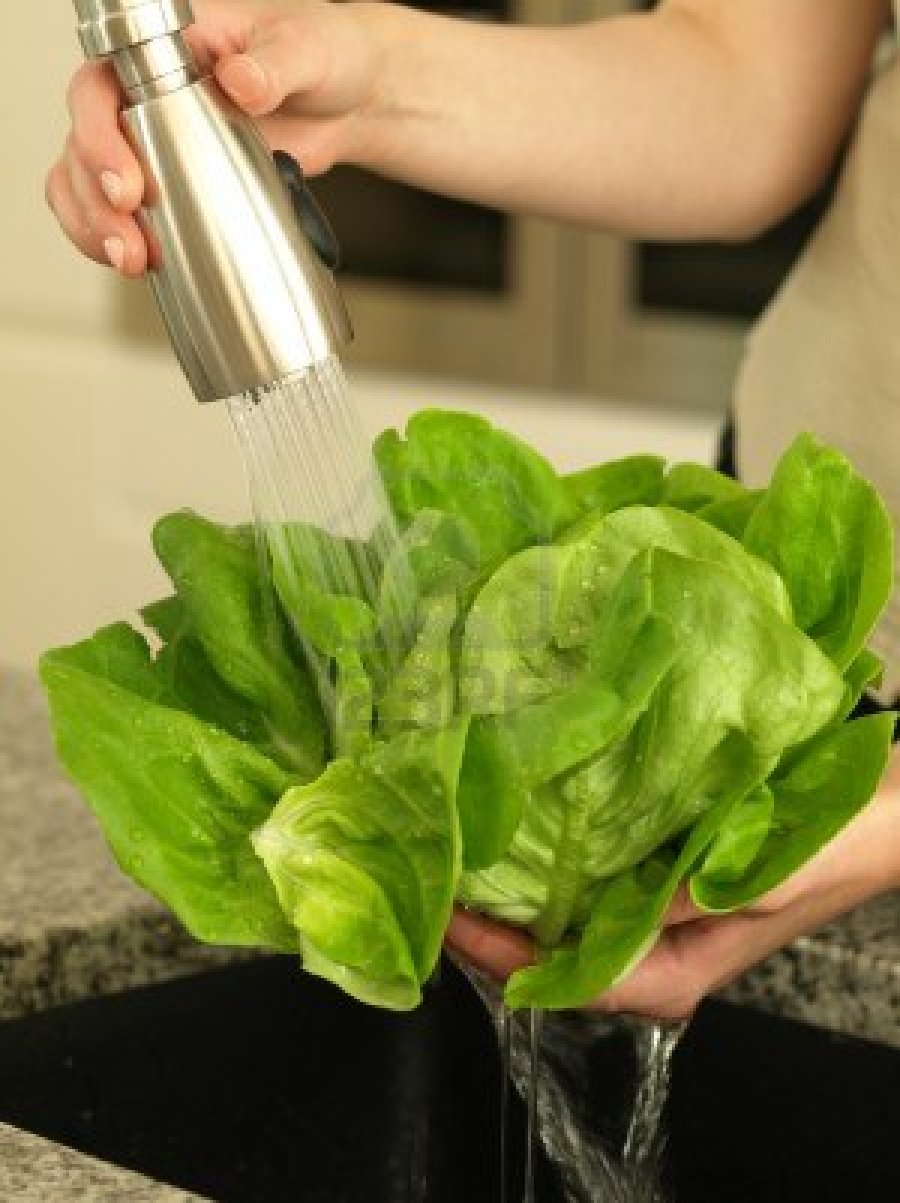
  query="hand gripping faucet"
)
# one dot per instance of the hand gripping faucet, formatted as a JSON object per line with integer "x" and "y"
{"x": 241, "y": 259}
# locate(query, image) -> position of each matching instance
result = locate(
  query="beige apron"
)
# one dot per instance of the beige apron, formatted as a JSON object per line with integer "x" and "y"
{"x": 825, "y": 356}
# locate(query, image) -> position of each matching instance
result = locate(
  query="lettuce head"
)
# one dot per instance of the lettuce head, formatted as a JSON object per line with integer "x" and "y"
{"x": 609, "y": 684}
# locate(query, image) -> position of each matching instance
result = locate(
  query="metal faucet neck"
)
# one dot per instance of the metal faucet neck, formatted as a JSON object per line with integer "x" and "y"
{"x": 108, "y": 26}
{"x": 155, "y": 68}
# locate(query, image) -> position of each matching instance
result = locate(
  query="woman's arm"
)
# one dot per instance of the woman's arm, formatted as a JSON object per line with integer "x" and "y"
{"x": 702, "y": 119}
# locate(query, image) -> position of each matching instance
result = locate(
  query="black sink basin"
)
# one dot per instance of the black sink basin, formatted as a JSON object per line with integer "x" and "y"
{"x": 256, "y": 1084}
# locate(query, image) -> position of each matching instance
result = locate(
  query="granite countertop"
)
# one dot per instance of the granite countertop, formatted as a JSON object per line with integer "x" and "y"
{"x": 72, "y": 927}
{"x": 33, "y": 1170}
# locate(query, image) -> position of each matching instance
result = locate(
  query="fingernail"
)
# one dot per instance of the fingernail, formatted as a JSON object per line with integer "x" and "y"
{"x": 244, "y": 77}
{"x": 113, "y": 186}
{"x": 115, "y": 252}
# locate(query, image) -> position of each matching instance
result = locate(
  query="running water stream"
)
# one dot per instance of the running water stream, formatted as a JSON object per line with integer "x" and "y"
{"x": 322, "y": 518}
{"x": 655, "y": 1045}
{"x": 552, "y": 1061}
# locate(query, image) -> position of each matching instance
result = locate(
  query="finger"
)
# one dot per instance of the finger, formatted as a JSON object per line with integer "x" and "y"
{"x": 94, "y": 101}
{"x": 682, "y": 909}
{"x": 282, "y": 60}
{"x": 219, "y": 30}
{"x": 693, "y": 959}
{"x": 494, "y": 948}
{"x": 117, "y": 238}
{"x": 104, "y": 236}
{"x": 69, "y": 213}
{"x": 667, "y": 984}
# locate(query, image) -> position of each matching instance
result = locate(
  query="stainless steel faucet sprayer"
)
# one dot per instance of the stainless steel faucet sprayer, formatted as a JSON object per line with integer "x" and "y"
{"x": 241, "y": 258}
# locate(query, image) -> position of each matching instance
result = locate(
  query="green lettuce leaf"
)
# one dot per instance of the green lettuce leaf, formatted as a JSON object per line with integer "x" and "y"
{"x": 462, "y": 465}
{"x": 508, "y": 756}
{"x": 508, "y": 656}
{"x": 353, "y": 705}
{"x": 732, "y": 515}
{"x": 635, "y": 480}
{"x": 611, "y": 544}
{"x": 189, "y": 682}
{"x": 439, "y": 552}
{"x": 810, "y": 804}
{"x": 423, "y": 691}
{"x": 366, "y": 860}
{"x": 216, "y": 573}
{"x": 693, "y": 487}
{"x": 732, "y": 684}
{"x": 307, "y": 564}
{"x": 176, "y": 797}
{"x": 827, "y": 533}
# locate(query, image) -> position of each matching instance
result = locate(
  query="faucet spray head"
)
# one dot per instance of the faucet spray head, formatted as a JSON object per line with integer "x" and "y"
{"x": 238, "y": 260}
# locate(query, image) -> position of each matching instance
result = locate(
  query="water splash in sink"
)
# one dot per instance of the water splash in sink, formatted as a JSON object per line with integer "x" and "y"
{"x": 548, "y": 1058}
{"x": 645, "y": 1143}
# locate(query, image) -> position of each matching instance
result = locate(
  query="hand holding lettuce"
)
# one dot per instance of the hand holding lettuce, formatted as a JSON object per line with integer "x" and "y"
{"x": 616, "y": 682}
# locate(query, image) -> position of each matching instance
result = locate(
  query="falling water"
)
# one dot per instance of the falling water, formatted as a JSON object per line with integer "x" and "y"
{"x": 655, "y": 1044}
{"x": 552, "y": 1064}
{"x": 504, "y": 1022}
{"x": 324, "y": 525}
{"x": 535, "y": 1024}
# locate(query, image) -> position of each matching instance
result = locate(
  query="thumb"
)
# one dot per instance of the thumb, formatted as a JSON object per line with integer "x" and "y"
{"x": 281, "y": 60}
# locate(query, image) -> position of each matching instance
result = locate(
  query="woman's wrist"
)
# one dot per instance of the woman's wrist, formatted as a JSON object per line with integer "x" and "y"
{"x": 871, "y": 857}
{"x": 372, "y": 128}
{"x": 889, "y": 798}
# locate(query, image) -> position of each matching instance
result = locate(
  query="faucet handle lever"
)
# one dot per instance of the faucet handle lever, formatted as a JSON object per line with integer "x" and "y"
{"x": 312, "y": 220}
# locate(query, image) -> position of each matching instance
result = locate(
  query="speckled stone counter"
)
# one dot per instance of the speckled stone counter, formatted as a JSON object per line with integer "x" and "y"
{"x": 36, "y": 1171}
{"x": 72, "y": 927}
{"x": 845, "y": 977}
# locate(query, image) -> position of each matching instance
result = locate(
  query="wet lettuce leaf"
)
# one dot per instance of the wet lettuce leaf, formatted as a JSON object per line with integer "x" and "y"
{"x": 829, "y": 536}
{"x": 188, "y": 681}
{"x": 808, "y": 805}
{"x": 365, "y": 862}
{"x": 693, "y": 487}
{"x": 732, "y": 514}
{"x": 600, "y": 686}
{"x": 439, "y": 551}
{"x": 706, "y": 727}
{"x": 216, "y": 574}
{"x": 177, "y": 798}
{"x": 422, "y": 692}
{"x": 635, "y": 480}
{"x": 460, "y": 464}
{"x": 301, "y": 560}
